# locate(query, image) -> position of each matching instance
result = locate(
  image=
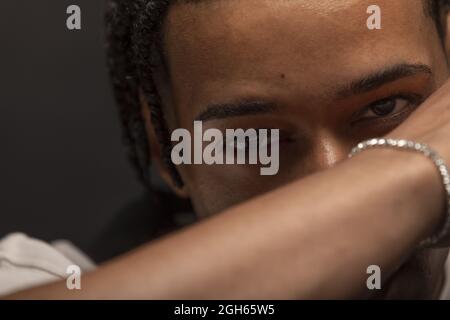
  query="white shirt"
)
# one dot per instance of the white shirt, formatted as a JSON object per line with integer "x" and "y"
{"x": 27, "y": 262}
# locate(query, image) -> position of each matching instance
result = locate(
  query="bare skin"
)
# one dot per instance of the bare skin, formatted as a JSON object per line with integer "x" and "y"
{"x": 281, "y": 250}
{"x": 311, "y": 231}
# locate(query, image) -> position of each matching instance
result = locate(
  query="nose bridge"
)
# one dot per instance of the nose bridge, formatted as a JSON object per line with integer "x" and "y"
{"x": 329, "y": 149}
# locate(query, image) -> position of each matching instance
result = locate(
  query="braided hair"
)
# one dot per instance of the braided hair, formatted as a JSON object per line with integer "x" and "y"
{"x": 135, "y": 51}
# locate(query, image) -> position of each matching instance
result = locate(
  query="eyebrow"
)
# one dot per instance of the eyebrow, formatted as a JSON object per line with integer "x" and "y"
{"x": 383, "y": 77}
{"x": 235, "y": 109}
{"x": 360, "y": 86}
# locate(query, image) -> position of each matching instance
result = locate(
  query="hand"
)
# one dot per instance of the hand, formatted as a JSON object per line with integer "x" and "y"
{"x": 430, "y": 124}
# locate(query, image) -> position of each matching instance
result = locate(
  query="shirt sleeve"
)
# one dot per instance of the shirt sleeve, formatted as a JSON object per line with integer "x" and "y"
{"x": 26, "y": 262}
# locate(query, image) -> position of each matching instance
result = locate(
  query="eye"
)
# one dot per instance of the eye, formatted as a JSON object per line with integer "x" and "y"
{"x": 386, "y": 107}
{"x": 390, "y": 107}
{"x": 258, "y": 138}
{"x": 244, "y": 143}
{"x": 252, "y": 141}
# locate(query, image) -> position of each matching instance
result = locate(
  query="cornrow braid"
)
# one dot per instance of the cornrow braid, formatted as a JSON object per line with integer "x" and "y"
{"x": 134, "y": 51}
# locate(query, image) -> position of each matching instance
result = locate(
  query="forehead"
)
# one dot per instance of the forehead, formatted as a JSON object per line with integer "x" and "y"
{"x": 222, "y": 46}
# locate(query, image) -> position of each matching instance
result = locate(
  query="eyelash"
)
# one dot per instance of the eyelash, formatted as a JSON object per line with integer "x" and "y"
{"x": 413, "y": 100}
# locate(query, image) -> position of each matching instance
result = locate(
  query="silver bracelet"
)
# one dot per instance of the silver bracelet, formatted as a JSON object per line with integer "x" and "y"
{"x": 431, "y": 154}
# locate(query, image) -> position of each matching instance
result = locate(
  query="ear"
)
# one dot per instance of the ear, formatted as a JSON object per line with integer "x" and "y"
{"x": 156, "y": 152}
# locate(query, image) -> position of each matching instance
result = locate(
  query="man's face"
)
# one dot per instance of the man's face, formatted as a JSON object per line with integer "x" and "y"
{"x": 330, "y": 82}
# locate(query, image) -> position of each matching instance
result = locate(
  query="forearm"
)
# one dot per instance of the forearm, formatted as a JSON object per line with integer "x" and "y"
{"x": 311, "y": 239}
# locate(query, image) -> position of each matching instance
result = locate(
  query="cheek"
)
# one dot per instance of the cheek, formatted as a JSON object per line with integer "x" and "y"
{"x": 213, "y": 189}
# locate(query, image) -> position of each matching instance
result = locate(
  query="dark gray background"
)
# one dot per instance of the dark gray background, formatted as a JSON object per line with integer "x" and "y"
{"x": 63, "y": 170}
